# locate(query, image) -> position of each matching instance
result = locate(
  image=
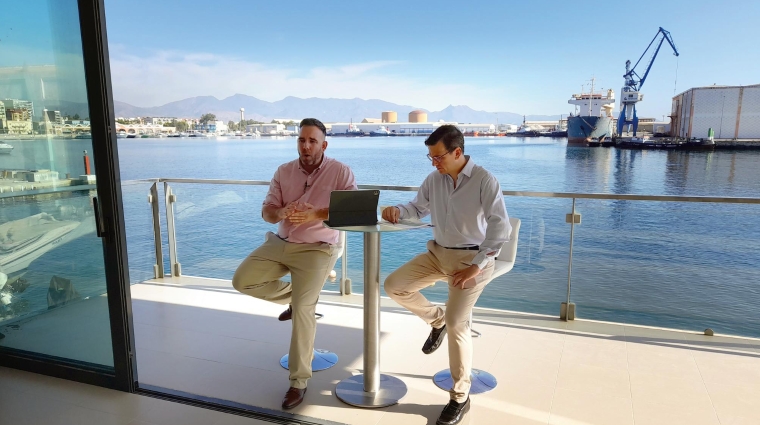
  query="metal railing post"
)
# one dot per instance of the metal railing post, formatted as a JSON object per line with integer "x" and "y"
{"x": 170, "y": 198}
{"x": 158, "y": 267}
{"x": 567, "y": 309}
{"x": 345, "y": 282}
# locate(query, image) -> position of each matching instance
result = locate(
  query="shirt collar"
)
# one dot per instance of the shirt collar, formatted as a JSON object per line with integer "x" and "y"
{"x": 467, "y": 170}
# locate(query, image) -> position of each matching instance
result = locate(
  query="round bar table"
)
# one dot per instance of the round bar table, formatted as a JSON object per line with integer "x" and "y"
{"x": 371, "y": 389}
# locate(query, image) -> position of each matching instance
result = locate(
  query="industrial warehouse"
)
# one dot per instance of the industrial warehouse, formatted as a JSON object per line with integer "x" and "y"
{"x": 732, "y": 112}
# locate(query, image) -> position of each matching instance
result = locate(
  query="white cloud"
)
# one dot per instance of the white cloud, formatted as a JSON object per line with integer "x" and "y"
{"x": 166, "y": 76}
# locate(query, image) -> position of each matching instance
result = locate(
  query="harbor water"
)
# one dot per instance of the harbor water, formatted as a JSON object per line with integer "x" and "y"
{"x": 669, "y": 264}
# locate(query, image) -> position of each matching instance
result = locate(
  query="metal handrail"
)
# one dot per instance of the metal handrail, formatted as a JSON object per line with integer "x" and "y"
{"x": 530, "y": 194}
{"x": 567, "y": 309}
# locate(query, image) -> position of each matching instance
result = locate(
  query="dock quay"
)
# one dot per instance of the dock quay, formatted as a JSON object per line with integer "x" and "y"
{"x": 14, "y": 182}
{"x": 679, "y": 143}
{"x": 737, "y": 144}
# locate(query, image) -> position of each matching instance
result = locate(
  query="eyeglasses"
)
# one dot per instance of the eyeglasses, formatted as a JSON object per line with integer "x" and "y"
{"x": 439, "y": 158}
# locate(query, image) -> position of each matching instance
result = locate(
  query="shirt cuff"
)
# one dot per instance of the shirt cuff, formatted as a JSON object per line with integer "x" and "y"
{"x": 402, "y": 211}
{"x": 481, "y": 260}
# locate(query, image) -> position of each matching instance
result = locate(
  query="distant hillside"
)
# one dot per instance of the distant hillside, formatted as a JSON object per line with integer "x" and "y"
{"x": 328, "y": 110}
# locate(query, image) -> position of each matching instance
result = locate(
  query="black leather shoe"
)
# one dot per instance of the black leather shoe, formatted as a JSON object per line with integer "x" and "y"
{"x": 453, "y": 412}
{"x": 434, "y": 340}
{"x": 293, "y": 397}
{"x": 286, "y": 315}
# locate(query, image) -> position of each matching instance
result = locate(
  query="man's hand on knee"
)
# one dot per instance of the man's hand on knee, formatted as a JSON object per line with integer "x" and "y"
{"x": 465, "y": 278}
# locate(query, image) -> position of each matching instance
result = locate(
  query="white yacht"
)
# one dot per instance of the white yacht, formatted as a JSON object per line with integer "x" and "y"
{"x": 381, "y": 131}
{"x": 5, "y": 148}
{"x": 23, "y": 241}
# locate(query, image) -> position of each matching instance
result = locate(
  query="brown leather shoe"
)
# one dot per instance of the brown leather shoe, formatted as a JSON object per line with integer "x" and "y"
{"x": 293, "y": 397}
{"x": 287, "y": 314}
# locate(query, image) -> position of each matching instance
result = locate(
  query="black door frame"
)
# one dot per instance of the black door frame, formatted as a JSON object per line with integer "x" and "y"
{"x": 111, "y": 227}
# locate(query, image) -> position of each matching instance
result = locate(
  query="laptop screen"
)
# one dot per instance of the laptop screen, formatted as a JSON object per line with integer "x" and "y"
{"x": 353, "y": 207}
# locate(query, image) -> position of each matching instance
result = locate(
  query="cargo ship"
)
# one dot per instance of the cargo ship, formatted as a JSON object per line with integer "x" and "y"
{"x": 592, "y": 121}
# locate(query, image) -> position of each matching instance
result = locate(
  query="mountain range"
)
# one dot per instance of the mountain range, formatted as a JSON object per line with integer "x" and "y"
{"x": 327, "y": 110}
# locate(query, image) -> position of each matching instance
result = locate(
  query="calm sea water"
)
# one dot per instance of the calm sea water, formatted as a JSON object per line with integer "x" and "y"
{"x": 681, "y": 265}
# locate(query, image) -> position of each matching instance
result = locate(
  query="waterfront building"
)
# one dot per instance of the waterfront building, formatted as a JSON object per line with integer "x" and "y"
{"x": 213, "y": 127}
{"x": 269, "y": 128}
{"x": 158, "y": 120}
{"x": 19, "y": 104}
{"x": 18, "y": 121}
{"x": 732, "y": 112}
{"x": 53, "y": 117}
{"x": 410, "y": 128}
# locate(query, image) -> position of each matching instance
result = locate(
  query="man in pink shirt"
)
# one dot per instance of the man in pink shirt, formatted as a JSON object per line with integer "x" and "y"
{"x": 298, "y": 200}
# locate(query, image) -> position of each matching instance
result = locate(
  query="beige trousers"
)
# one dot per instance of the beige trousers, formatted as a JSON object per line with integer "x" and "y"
{"x": 259, "y": 275}
{"x": 438, "y": 263}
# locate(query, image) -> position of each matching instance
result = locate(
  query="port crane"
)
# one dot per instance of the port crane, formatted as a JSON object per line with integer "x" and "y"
{"x": 633, "y": 82}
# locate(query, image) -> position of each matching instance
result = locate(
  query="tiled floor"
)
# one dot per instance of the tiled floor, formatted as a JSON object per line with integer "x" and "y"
{"x": 31, "y": 399}
{"x": 201, "y": 337}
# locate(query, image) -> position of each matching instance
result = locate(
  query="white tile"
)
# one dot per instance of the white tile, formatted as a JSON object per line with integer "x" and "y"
{"x": 571, "y": 407}
{"x": 683, "y": 413}
{"x": 653, "y": 388}
{"x": 594, "y": 379}
{"x": 609, "y": 356}
{"x": 77, "y": 415}
{"x": 170, "y": 413}
{"x": 38, "y": 410}
{"x": 511, "y": 403}
{"x": 676, "y": 363}
{"x": 525, "y": 370}
{"x": 728, "y": 369}
{"x": 735, "y": 404}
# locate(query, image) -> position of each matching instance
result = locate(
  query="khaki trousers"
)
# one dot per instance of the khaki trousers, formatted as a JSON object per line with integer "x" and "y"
{"x": 259, "y": 275}
{"x": 439, "y": 263}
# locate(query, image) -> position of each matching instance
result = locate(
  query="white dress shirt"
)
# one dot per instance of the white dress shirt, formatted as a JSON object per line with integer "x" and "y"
{"x": 472, "y": 214}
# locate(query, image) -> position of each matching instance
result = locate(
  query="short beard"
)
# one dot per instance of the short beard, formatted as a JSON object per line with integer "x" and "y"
{"x": 314, "y": 160}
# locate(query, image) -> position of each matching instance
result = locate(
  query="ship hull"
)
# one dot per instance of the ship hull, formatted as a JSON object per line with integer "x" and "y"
{"x": 586, "y": 130}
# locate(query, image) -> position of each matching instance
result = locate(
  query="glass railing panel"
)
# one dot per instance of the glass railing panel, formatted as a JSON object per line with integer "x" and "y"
{"x": 138, "y": 222}
{"x": 680, "y": 265}
{"x": 536, "y": 284}
{"x": 217, "y": 226}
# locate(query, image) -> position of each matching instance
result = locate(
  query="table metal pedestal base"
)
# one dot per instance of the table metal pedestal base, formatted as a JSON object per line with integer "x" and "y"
{"x": 482, "y": 381}
{"x": 351, "y": 391}
{"x": 323, "y": 359}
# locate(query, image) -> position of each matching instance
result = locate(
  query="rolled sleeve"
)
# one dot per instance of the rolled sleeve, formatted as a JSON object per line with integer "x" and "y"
{"x": 274, "y": 195}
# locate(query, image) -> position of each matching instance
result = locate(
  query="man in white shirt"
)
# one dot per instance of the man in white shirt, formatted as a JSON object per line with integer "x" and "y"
{"x": 470, "y": 226}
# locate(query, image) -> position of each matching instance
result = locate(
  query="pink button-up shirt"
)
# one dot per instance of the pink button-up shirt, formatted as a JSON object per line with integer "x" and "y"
{"x": 292, "y": 183}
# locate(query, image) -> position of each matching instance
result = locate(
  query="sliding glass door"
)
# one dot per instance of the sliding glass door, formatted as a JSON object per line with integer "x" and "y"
{"x": 61, "y": 292}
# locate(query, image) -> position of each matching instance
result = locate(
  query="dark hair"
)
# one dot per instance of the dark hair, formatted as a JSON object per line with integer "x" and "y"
{"x": 449, "y": 134}
{"x": 306, "y": 122}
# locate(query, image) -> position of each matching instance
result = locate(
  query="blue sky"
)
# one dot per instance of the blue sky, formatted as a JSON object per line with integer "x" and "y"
{"x": 525, "y": 57}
